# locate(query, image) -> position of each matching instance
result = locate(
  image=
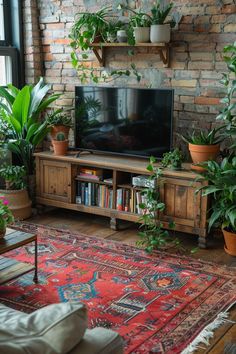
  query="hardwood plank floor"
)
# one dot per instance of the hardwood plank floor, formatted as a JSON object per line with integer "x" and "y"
{"x": 100, "y": 227}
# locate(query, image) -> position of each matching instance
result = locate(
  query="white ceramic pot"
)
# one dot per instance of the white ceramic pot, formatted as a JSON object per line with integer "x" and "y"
{"x": 160, "y": 33}
{"x": 121, "y": 36}
{"x": 142, "y": 34}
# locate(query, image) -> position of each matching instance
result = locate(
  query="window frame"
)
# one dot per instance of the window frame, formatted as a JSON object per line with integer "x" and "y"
{"x": 12, "y": 45}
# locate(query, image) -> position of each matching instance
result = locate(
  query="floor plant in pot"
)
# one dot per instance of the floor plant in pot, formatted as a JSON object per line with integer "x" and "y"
{"x": 222, "y": 187}
{"x": 203, "y": 146}
{"x": 6, "y": 216}
{"x": 16, "y": 191}
{"x": 21, "y": 110}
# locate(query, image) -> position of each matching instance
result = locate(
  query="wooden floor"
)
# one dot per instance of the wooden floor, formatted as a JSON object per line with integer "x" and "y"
{"x": 99, "y": 226}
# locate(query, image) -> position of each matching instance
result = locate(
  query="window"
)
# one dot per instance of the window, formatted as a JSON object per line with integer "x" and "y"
{"x": 11, "y": 46}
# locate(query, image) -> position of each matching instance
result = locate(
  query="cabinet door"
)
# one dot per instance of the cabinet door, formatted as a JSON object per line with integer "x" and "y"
{"x": 186, "y": 208}
{"x": 55, "y": 180}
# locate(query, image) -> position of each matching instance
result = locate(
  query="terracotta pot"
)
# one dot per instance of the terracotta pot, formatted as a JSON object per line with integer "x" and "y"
{"x": 19, "y": 203}
{"x": 60, "y": 147}
{"x": 55, "y": 129}
{"x": 230, "y": 242}
{"x": 201, "y": 153}
{"x": 2, "y": 233}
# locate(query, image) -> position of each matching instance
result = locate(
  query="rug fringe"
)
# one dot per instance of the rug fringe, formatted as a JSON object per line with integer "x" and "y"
{"x": 207, "y": 333}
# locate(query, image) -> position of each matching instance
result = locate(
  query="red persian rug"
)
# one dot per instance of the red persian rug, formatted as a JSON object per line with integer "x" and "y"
{"x": 158, "y": 303}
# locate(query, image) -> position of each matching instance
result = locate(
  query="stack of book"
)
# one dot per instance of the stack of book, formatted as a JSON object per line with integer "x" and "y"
{"x": 129, "y": 200}
{"x": 89, "y": 173}
{"x": 94, "y": 194}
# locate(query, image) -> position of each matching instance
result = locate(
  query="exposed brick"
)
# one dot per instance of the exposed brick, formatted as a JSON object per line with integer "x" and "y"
{"x": 206, "y": 100}
{"x": 229, "y": 9}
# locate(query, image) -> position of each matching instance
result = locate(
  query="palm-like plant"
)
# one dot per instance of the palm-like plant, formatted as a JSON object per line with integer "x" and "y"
{"x": 222, "y": 186}
{"x": 21, "y": 110}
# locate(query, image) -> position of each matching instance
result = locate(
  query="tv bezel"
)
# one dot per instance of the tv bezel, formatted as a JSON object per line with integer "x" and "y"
{"x": 105, "y": 152}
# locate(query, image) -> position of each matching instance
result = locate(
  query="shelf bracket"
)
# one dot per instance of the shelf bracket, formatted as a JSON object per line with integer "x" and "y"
{"x": 164, "y": 54}
{"x": 99, "y": 53}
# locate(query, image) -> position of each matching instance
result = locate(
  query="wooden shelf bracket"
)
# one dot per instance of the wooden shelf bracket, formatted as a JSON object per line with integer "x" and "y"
{"x": 163, "y": 49}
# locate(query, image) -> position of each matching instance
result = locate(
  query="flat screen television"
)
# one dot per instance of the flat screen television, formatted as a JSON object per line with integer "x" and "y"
{"x": 123, "y": 120}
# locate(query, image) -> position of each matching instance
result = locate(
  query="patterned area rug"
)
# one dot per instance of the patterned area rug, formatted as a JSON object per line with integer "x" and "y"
{"x": 158, "y": 303}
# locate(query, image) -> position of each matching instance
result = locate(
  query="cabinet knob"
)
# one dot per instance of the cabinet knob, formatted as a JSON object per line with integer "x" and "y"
{"x": 68, "y": 184}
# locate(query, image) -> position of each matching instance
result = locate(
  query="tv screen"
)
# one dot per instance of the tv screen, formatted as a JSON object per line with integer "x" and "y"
{"x": 129, "y": 121}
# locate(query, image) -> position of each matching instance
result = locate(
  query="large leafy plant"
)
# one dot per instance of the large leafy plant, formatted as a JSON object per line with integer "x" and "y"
{"x": 21, "y": 110}
{"x": 152, "y": 235}
{"x": 228, "y": 113}
{"x": 222, "y": 186}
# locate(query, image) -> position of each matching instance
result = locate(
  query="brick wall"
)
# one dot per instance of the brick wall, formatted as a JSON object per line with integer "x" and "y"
{"x": 205, "y": 27}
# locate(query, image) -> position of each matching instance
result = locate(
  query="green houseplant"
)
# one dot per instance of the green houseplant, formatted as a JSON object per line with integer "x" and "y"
{"x": 6, "y": 216}
{"x": 152, "y": 235}
{"x": 58, "y": 121}
{"x": 204, "y": 146}
{"x": 15, "y": 190}
{"x": 228, "y": 112}
{"x": 172, "y": 159}
{"x": 222, "y": 187}
{"x": 160, "y": 28}
{"x": 89, "y": 27}
{"x": 21, "y": 110}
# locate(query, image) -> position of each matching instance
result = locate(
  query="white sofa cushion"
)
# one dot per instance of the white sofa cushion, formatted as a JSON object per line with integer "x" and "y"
{"x": 54, "y": 329}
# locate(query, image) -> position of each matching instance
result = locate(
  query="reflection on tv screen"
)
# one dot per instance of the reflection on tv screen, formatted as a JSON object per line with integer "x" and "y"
{"x": 124, "y": 120}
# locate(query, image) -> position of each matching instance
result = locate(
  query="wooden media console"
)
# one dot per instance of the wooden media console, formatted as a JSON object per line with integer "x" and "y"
{"x": 58, "y": 179}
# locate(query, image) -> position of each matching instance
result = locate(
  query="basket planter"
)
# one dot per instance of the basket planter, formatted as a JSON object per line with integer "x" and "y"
{"x": 19, "y": 203}
{"x": 230, "y": 242}
{"x": 55, "y": 129}
{"x": 142, "y": 34}
{"x": 2, "y": 233}
{"x": 160, "y": 33}
{"x": 60, "y": 147}
{"x": 202, "y": 153}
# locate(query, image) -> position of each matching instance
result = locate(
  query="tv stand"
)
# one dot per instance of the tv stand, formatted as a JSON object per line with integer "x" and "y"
{"x": 57, "y": 178}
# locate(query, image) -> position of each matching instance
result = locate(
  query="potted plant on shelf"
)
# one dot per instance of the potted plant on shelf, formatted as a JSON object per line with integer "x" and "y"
{"x": 139, "y": 25}
{"x": 58, "y": 122}
{"x": 222, "y": 186}
{"x": 6, "y": 216}
{"x": 203, "y": 146}
{"x": 60, "y": 144}
{"x": 172, "y": 159}
{"x": 15, "y": 191}
{"x": 89, "y": 27}
{"x": 160, "y": 28}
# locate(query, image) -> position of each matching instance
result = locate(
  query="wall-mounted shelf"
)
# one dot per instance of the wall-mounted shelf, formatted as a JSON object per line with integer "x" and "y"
{"x": 163, "y": 49}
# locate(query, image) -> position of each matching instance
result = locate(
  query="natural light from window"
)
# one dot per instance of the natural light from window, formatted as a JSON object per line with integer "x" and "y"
{"x": 5, "y": 70}
{"x": 2, "y": 37}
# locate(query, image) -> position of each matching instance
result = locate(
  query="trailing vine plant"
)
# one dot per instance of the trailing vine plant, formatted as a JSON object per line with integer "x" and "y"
{"x": 152, "y": 235}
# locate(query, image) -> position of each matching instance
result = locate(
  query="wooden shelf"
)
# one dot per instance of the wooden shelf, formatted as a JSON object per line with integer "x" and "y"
{"x": 163, "y": 49}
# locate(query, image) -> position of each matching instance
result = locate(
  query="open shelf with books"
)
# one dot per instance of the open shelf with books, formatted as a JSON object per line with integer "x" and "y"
{"x": 112, "y": 186}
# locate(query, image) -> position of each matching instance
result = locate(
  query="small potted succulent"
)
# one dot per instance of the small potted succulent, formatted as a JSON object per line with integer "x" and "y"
{"x": 160, "y": 28}
{"x": 15, "y": 191}
{"x": 6, "y": 216}
{"x": 59, "y": 122}
{"x": 203, "y": 146}
{"x": 60, "y": 144}
{"x": 172, "y": 159}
